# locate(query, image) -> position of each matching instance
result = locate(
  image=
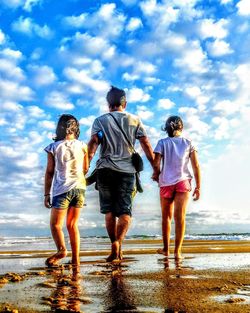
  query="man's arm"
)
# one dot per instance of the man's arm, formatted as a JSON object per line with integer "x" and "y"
{"x": 92, "y": 146}
{"x": 147, "y": 148}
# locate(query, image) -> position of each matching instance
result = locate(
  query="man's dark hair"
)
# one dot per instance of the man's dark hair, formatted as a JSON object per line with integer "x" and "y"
{"x": 173, "y": 123}
{"x": 115, "y": 97}
{"x": 67, "y": 125}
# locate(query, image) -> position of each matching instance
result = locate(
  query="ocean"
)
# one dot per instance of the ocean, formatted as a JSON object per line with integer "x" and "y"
{"x": 102, "y": 243}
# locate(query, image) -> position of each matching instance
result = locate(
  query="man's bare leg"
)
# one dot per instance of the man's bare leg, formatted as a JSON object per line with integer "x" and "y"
{"x": 111, "y": 226}
{"x": 167, "y": 206}
{"x": 123, "y": 224}
{"x": 180, "y": 205}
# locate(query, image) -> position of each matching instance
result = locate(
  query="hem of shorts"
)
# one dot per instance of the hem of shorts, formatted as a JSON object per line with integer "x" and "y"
{"x": 164, "y": 185}
{"x": 61, "y": 193}
{"x": 116, "y": 170}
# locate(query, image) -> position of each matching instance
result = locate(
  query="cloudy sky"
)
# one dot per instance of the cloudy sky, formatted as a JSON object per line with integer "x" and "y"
{"x": 185, "y": 57}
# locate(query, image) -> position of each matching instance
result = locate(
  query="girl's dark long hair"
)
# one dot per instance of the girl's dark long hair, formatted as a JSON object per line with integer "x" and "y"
{"x": 67, "y": 125}
{"x": 173, "y": 124}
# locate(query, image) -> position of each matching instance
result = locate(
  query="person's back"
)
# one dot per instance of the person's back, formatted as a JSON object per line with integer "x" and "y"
{"x": 175, "y": 153}
{"x": 67, "y": 162}
{"x": 115, "y": 151}
{"x": 69, "y": 158}
{"x": 115, "y": 172}
{"x": 172, "y": 156}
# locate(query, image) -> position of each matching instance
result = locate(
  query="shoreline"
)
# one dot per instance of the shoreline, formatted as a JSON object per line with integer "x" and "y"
{"x": 214, "y": 281}
{"x": 189, "y": 246}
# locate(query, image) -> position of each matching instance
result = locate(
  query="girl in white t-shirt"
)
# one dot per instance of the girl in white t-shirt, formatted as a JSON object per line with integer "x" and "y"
{"x": 67, "y": 164}
{"x": 172, "y": 155}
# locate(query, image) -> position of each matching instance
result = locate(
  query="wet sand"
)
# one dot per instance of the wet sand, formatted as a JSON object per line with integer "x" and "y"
{"x": 213, "y": 277}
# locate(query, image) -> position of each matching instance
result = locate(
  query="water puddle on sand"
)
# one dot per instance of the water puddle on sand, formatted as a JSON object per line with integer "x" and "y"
{"x": 184, "y": 276}
{"x": 241, "y": 297}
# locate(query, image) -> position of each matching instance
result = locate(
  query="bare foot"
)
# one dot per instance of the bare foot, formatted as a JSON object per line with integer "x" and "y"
{"x": 114, "y": 252}
{"x": 53, "y": 260}
{"x": 120, "y": 254}
{"x": 178, "y": 256}
{"x": 162, "y": 251}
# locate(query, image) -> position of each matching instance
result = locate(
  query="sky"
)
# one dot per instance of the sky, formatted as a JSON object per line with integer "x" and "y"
{"x": 183, "y": 57}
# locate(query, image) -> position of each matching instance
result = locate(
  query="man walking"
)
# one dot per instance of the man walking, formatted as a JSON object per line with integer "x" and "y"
{"x": 115, "y": 171}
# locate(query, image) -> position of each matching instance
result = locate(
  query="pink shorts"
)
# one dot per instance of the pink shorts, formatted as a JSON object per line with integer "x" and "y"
{"x": 169, "y": 191}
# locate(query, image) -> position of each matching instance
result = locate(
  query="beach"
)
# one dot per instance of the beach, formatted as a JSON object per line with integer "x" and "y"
{"x": 212, "y": 277}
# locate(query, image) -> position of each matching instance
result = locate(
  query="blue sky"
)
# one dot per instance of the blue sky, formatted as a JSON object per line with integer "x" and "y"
{"x": 184, "y": 57}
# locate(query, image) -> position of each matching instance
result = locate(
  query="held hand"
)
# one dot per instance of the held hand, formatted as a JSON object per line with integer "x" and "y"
{"x": 47, "y": 202}
{"x": 155, "y": 177}
{"x": 196, "y": 194}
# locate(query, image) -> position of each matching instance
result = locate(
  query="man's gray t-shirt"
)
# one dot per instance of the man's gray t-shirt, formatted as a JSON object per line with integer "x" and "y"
{"x": 115, "y": 152}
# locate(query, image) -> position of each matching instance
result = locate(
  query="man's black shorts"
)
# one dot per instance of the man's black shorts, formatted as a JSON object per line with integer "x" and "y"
{"x": 116, "y": 191}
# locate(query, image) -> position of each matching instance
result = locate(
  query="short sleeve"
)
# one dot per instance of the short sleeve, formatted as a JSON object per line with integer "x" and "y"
{"x": 159, "y": 147}
{"x": 140, "y": 131}
{"x": 50, "y": 148}
{"x": 95, "y": 127}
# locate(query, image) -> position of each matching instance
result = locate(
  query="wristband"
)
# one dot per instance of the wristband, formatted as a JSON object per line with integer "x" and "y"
{"x": 48, "y": 194}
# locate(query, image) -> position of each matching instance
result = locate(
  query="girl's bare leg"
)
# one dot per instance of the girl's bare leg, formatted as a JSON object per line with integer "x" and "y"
{"x": 180, "y": 205}
{"x": 167, "y": 206}
{"x": 74, "y": 235}
{"x": 56, "y": 223}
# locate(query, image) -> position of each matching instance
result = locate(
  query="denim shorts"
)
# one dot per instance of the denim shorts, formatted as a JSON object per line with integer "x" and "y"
{"x": 74, "y": 197}
{"x": 116, "y": 191}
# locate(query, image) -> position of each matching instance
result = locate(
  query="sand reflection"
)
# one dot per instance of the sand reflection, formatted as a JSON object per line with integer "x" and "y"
{"x": 66, "y": 297}
{"x": 118, "y": 295}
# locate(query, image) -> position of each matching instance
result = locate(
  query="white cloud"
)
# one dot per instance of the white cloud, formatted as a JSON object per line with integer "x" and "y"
{"x": 42, "y": 75}
{"x": 35, "y": 111}
{"x": 12, "y": 91}
{"x": 137, "y": 95}
{"x": 193, "y": 59}
{"x": 29, "y": 28}
{"x": 193, "y": 123}
{"x": 243, "y": 7}
{"x": 227, "y": 107}
{"x": 141, "y": 70}
{"x": 11, "y": 106}
{"x": 144, "y": 113}
{"x": 225, "y": 1}
{"x": 165, "y": 104}
{"x": 47, "y": 125}
{"x": 107, "y": 22}
{"x": 11, "y": 54}
{"x": 211, "y": 29}
{"x": 133, "y": 24}
{"x": 224, "y": 127}
{"x": 87, "y": 121}
{"x": 58, "y": 100}
{"x": 193, "y": 91}
{"x": 27, "y": 5}
{"x": 83, "y": 77}
{"x": 75, "y": 21}
{"x": 89, "y": 46}
{"x": 219, "y": 48}
{"x": 10, "y": 70}
{"x": 2, "y": 37}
